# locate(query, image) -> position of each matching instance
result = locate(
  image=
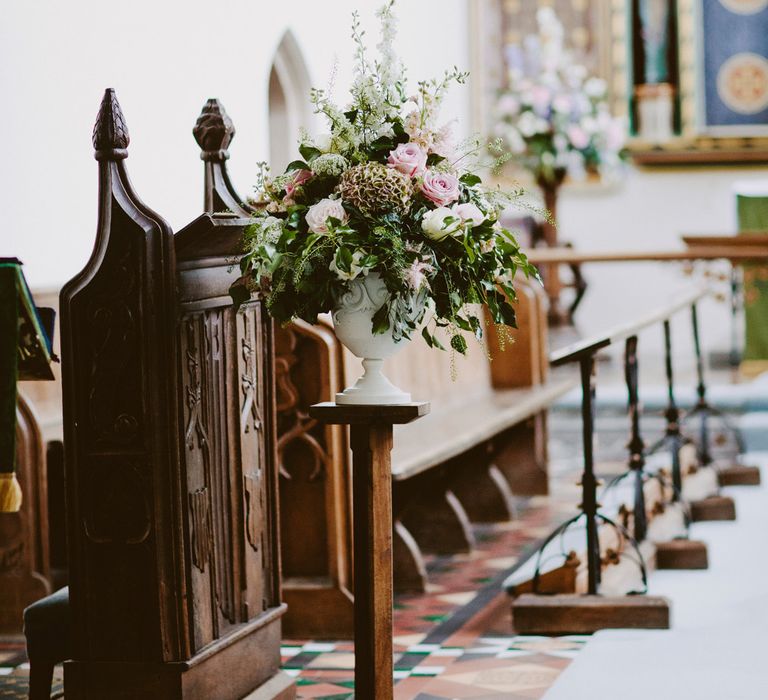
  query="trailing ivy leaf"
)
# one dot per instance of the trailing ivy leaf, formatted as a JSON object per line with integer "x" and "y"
{"x": 432, "y": 340}
{"x": 309, "y": 153}
{"x": 381, "y": 320}
{"x": 344, "y": 259}
{"x": 459, "y": 344}
{"x": 476, "y": 326}
{"x": 297, "y": 165}
{"x": 470, "y": 179}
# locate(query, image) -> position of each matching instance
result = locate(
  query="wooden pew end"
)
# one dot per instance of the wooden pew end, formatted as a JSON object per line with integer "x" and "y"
{"x": 584, "y": 614}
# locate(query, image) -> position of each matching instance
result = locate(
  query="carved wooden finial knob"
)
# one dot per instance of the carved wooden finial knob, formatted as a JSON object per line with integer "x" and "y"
{"x": 110, "y": 134}
{"x": 214, "y": 131}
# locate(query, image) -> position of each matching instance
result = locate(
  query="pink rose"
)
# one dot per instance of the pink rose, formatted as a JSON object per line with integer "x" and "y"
{"x": 299, "y": 178}
{"x": 318, "y": 214}
{"x": 578, "y": 137}
{"x": 408, "y": 158}
{"x": 440, "y": 188}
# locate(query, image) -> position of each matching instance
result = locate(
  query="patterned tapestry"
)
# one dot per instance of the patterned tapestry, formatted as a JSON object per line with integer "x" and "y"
{"x": 734, "y": 42}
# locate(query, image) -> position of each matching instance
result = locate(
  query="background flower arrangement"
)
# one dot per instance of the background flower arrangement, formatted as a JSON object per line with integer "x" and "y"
{"x": 553, "y": 117}
{"x": 385, "y": 192}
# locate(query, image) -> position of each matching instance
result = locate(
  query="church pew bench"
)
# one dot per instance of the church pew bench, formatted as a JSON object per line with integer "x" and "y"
{"x": 461, "y": 466}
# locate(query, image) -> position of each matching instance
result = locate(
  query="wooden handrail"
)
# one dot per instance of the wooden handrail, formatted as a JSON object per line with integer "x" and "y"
{"x": 541, "y": 256}
{"x": 583, "y": 348}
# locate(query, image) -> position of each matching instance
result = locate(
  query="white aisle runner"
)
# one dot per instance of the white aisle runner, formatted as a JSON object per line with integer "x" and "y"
{"x": 717, "y": 648}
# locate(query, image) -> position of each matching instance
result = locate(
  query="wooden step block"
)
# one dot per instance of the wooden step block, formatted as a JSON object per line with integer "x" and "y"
{"x": 713, "y": 508}
{"x": 739, "y": 475}
{"x": 559, "y": 580}
{"x": 682, "y": 554}
{"x": 584, "y": 614}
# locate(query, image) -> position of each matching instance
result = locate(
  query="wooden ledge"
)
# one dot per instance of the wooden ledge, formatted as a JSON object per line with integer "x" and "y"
{"x": 330, "y": 412}
{"x": 584, "y": 614}
{"x": 682, "y": 554}
{"x": 455, "y": 428}
{"x": 713, "y": 508}
{"x": 739, "y": 475}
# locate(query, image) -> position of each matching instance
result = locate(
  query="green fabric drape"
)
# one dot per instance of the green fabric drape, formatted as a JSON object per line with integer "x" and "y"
{"x": 753, "y": 217}
{"x": 10, "y": 493}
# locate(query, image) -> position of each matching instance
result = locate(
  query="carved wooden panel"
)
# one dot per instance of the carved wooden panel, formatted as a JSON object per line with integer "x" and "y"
{"x": 255, "y": 436}
{"x": 24, "y": 565}
{"x": 197, "y": 447}
{"x": 227, "y": 436}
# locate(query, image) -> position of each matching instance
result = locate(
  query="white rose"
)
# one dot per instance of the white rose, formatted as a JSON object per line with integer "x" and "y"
{"x": 595, "y": 87}
{"x": 469, "y": 212}
{"x": 318, "y": 214}
{"x": 355, "y": 268}
{"x": 323, "y": 142}
{"x": 439, "y": 223}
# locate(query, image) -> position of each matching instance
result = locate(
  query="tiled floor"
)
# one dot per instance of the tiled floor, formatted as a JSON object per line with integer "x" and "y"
{"x": 456, "y": 641}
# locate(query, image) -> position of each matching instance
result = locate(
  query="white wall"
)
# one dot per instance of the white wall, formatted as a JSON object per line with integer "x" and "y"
{"x": 164, "y": 58}
{"x": 649, "y": 211}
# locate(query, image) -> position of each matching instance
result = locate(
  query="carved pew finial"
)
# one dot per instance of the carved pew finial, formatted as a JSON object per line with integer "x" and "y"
{"x": 214, "y": 131}
{"x": 110, "y": 133}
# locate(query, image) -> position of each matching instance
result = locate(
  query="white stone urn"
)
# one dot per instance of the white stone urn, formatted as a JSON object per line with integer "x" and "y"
{"x": 352, "y": 321}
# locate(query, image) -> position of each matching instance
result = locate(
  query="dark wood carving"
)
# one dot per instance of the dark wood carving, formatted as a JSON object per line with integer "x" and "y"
{"x": 120, "y": 422}
{"x": 315, "y": 497}
{"x": 214, "y": 132}
{"x": 171, "y": 457}
{"x": 24, "y": 560}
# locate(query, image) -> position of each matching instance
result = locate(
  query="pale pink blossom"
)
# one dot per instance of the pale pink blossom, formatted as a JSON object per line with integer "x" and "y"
{"x": 440, "y": 188}
{"x": 578, "y": 137}
{"x": 615, "y": 136}
{"x": 299, "y": 178}
{"x": 444, "y": 142}
{"x": 541, "y": 97}
{"x": 408, "y": 158}
{"x": 416, "y": 275}
{"x": 508, "y": 106}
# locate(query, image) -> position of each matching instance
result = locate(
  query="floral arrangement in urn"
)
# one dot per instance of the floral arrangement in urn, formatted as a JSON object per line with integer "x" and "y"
{"x": 384, "y": 222}
{"x": 554, "y": 117}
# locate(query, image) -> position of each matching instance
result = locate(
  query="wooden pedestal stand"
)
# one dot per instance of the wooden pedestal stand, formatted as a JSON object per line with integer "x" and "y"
{"x": 371, "y": 442}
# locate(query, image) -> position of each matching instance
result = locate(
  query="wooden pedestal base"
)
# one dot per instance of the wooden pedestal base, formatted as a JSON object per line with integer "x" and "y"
{"x": 738, "y": 475}
{"x": 682, "y": 554}
{"x": 584, "y": 614}
{"x": 713, "y": 508}
{"x": 371, "y": 443}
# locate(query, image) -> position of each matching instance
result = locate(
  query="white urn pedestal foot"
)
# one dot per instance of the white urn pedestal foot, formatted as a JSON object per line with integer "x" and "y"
{"x": 372, "y": 388}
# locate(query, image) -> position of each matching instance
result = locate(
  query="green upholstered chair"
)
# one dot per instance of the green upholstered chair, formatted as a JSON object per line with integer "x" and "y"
{"x": 47, "y": 627}
{"x": 752, "y": 213}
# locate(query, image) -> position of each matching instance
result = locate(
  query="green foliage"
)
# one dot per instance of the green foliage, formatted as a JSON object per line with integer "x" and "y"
{"x": 303, "y": 266}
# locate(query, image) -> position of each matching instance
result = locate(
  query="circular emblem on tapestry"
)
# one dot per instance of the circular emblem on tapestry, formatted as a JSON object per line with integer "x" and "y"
{"x": 744, "y": 7}
{"x": 742, "y": 83}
